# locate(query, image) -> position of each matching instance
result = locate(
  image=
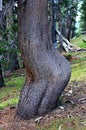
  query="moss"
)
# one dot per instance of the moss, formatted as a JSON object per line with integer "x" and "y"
{"x": 9, "y": 102}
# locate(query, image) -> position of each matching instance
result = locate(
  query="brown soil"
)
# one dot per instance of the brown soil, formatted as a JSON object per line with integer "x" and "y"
{"x": 73, "y": 103}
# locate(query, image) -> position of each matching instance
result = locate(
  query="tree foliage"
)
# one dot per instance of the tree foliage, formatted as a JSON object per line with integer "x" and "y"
{"x": 83, "y": 14}
{"x": 8, "y": 32}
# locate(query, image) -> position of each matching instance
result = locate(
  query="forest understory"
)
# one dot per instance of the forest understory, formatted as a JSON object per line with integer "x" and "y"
{"x": 70, "y": 113}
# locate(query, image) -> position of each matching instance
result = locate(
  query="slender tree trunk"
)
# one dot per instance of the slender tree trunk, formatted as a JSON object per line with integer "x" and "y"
{"x": 1, "y": 77}
{"x": 13, "y": 64}
{"x": 69, "y": 28}
{"x": 48, "y": 72}
{"x": 73, "y": 29}
{"x": 53, "y": 28}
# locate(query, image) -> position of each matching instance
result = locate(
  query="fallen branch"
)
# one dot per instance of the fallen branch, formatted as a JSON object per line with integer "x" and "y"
{"x": 66, "y": 44}
{"x": 38, "y": 119}
{"x": 82, "y": 49}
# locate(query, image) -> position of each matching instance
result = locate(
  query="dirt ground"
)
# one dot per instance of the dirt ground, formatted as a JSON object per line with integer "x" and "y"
{"x": 73, "y": 103}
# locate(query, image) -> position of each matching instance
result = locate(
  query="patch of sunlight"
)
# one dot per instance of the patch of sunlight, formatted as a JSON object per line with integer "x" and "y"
{"x": 78, "y": 71}
{"x": 9, "y": 102}
{"x": 79, "y": 41}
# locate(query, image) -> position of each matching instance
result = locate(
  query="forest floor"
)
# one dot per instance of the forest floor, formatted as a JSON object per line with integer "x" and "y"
{"x": 69, "y": 115}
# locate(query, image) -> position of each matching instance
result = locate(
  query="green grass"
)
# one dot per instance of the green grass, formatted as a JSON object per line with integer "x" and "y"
{"x": 10, "y": 93}
{"x": 78, "y": 65}
{"x": 9, "y": 102}
{"x": 79, "y": 71}
{"x": 68, "y": 123}
{"x": 79, "y": 41}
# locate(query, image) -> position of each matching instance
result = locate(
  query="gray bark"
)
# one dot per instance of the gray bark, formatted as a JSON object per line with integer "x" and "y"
{"x": 48, "y": 72}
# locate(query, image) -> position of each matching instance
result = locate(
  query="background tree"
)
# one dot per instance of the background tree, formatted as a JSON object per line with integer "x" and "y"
{"x": 8, "y": 37}
{"x": 48, "y": 72}
{"x": 83, "y": 14}
{"x": 62, "y": 17}
{"x": 1, "y": 77}
{"x": 52, "y": 19}
{"x": 8, "y": 33}
{"x": 67, "y": 12}
{"x": 11, "y": 23}
{"x": 2, "y": 25}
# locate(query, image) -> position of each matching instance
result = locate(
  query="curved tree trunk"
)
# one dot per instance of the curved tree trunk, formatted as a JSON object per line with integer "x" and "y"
{"x": 48, "y": 72}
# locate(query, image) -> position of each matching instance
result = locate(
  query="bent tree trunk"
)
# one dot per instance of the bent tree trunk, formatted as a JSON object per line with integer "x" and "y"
{"x": 48, "y": 72}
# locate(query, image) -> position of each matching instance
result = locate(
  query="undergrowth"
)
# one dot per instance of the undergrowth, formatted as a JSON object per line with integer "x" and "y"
{"x": 79, "y": 41}
{"x": 10, "y": 93}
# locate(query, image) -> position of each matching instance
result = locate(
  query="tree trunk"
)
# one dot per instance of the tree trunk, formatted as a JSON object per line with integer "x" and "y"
{"x": 68, "y": 30}
{"x": 13, "y": 64}
{"x": 1, "y": 78}
{"x": 53, "y": 22}
{"x": 48, "y": 72}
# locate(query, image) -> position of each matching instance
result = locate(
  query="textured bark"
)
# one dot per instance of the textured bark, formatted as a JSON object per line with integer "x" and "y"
{"x": 48, "y": 72}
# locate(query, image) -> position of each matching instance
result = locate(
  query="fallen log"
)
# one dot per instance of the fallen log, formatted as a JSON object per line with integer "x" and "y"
{"x": 81, "y": 49}
{"x": 66, "y": 44}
